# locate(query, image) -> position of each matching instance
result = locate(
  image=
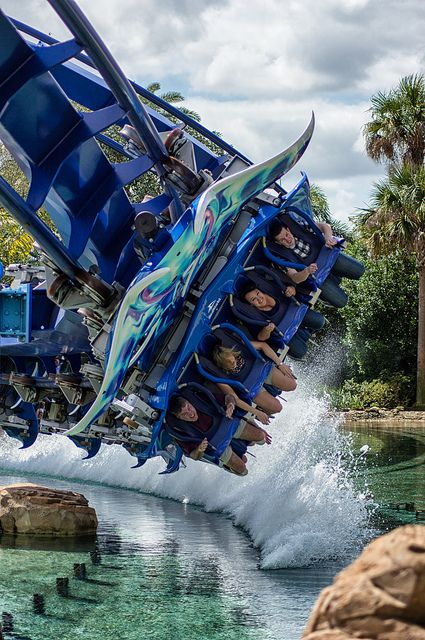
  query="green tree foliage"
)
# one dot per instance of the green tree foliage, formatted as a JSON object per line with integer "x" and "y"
{"x": 381, "y": 318}
{"x": 395, "y": 221}
{"x": 396, "y": 217}
{"x": 393, "y": 391}
{"x": 15, "y": 244}
{"x": 396, "y": 131}
{"x": 322, "y": 212}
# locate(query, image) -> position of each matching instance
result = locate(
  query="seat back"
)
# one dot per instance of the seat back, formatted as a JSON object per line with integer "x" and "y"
{"x": 221, "y": 430}
{"x": 248, "y": 381}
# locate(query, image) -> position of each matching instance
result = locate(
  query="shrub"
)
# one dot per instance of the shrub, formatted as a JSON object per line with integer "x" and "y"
{"x": 396, "y": 390}
{"x": 381, "y": 318}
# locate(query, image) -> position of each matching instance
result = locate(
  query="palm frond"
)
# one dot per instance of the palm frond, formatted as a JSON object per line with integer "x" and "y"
{"x": 15, "y": 244}
{"x": 396, "y": 217}
{"x": 396, "y": 131}
{"x": 192, "y": 114}
{"x": 322, "y": 212}
{"x": 320, "y": 203}
{"x": 172, "y": 96}
{"x": 153, "y": 87}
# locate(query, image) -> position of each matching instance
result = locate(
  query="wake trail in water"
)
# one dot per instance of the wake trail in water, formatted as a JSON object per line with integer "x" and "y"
{"x": 298, "y": 502}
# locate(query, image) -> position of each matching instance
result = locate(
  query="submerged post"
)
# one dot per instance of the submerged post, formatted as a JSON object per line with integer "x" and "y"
{"x": 7, "y": 622}
{"x": 38, "y": 604}
{"x": 62, "y": 587}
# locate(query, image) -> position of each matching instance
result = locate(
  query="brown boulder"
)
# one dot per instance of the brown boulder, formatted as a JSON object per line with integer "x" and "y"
{"x": 380, "y": 596}
{"x": 31, "y": 509}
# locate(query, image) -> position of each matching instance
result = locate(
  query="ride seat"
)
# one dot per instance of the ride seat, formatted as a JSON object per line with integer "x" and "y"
{"x": 267, "y": 281}
{"x": 219, "y": 435}
{"x": 324, "y": 257}
{"x": 256, "y": 369}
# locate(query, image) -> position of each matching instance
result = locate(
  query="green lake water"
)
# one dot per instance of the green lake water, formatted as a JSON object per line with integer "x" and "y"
{"x": 170, "y": 570}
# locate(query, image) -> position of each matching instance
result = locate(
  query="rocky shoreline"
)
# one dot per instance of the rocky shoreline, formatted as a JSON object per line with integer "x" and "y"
{"x": 36, "y": 510}
{"x": 380, "y": 595}
{"x": 393, "y": 417}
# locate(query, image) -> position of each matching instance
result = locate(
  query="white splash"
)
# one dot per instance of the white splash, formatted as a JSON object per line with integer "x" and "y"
{"x": 298, "y": 503}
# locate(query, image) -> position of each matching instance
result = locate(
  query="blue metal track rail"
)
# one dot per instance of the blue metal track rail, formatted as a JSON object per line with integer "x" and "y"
{"x": 144, "y": 93}
{"x": 55, "y": 145}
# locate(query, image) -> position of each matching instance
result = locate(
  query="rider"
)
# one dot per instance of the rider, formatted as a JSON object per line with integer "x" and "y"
{"x": 299, "y": 244}
{"x": 185, "y": 411}
{"x": 231, "y": 361}
{"x": 274, "y": 310}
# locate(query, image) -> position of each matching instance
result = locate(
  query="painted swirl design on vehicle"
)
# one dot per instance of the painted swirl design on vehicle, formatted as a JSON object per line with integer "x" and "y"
{"x": 148, "y": 307}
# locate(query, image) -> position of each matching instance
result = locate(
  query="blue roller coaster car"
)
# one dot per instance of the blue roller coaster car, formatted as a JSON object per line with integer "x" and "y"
{"x": 119, "y": 311}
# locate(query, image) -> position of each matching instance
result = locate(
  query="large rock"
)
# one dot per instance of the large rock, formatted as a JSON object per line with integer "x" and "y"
{"x": 380, "y": 596}
{"x": 31, "y": 509}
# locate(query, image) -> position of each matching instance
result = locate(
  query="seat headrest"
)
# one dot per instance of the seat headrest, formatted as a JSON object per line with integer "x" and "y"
{"x": 261, "y": 281}
{"x": 245, "y": 311}
{"x": 212, "y": 368}
{"x": 207, "y": 343}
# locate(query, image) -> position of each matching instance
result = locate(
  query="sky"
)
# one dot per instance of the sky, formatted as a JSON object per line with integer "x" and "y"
{"x": 255, "y": 69}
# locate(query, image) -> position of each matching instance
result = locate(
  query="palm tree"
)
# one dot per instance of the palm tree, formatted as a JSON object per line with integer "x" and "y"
{"x": 396, "y": 132}
{"x": 174, "y": 97}
{"x": 322, "y": 212}
{"x": 394, "y": 222}
{"x": 15, "y": 243}
{"x": 395, "y": 136}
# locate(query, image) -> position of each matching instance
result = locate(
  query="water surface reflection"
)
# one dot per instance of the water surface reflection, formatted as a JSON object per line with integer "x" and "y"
{"x": 171, "y": 571}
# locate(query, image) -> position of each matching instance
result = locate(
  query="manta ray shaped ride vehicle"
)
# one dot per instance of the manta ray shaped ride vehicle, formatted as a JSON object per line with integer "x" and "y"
{"x": 101, "y": 331}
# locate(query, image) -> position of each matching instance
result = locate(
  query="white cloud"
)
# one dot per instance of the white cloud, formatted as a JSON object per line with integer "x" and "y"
{"x": 348, "y": 195}
{"x": 256, "y": 70}
{"x": 261, "y": 128}
{"x": 388, "y": 70}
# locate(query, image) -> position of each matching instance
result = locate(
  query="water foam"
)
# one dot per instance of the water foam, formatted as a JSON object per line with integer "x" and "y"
{"x": 298, "y": 503}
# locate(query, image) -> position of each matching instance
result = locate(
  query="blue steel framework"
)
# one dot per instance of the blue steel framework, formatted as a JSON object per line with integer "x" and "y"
{"x": 127, "y": 332}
